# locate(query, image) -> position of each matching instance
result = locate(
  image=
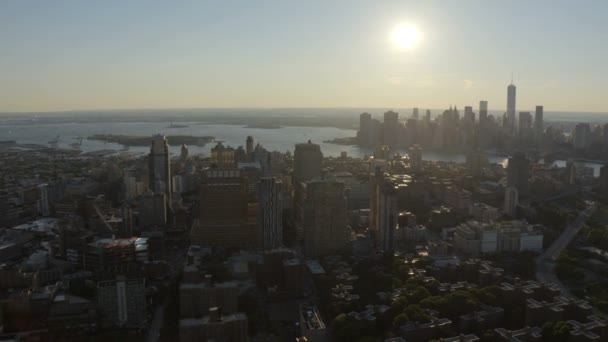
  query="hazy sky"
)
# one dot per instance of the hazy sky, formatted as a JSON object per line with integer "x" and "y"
{"x": 63, "y": 55}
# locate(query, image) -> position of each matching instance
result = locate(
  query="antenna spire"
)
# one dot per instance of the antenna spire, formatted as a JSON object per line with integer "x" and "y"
{"x": 511, "y": 77}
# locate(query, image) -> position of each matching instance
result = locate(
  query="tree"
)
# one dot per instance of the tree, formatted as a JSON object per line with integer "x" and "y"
{"x": 348, "y": 329}
{"x": 418, "y": 295}
{"x": 416, "y": 313}
{"x": 400, "y": 320}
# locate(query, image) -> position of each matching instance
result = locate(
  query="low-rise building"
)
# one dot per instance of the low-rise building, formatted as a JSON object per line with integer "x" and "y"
{"x": 311, "y": 324}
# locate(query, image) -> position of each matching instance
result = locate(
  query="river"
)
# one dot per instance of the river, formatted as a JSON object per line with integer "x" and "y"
{"x": 277, "y": 139}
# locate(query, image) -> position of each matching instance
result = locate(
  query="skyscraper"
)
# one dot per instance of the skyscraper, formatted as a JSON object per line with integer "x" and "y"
{"x": 511, "y": 93}
{"x": 387, "y": 213}
{"x": 415, "y": 157}
{"x": 159, "y": 167}
{"x": 604, "y": 178}
{"x": 270, "y": 213}
{"x": 153, "y": 210}
{"x": 469, "y": 115}
{"x": 365, "y": 122}
{"x": 223, "y": 217}
{"x": 538, "y": 122}
{"x": 483, "y": 137}
{"x": 525, "y": 125}
{"x": 325, "y": 220}
{"x": 582, "y": 135}
{"x": 518, "y": 172}
{"x": 415, "y": 113}
{"x": 307, "y": 162}
{"x": 249, "y": 146}
{"x": 122, "y": 302}
{"x": 511, "y": 201}
{"x": 483, "y": 112}
{"x": 391, "y": 128}
{"x": 183, "y": 157}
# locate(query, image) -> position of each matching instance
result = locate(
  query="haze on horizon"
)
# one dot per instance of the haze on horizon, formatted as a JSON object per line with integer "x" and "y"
{"x": 72, "y": 55}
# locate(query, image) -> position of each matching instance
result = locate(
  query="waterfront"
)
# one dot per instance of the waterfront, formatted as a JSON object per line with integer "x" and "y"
{"x": 277, "y": 139}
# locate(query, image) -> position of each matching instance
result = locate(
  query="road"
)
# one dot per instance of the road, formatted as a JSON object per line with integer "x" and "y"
{"x": 157, "y": 322}
{"x": 545, "y": 264}
{"x": 176, "y": 261}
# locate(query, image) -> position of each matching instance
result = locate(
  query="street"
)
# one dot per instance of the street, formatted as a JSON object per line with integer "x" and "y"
{"x": 545, "y": 264}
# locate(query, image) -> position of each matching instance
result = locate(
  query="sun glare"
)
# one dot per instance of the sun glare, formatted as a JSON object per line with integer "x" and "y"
{"x": 405, "y": 36}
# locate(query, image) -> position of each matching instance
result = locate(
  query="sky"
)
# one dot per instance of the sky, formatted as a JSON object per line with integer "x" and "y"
{"x": 76, "y": 55}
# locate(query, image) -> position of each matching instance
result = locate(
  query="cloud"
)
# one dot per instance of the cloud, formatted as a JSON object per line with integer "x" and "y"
{"x": 468, "y": 84}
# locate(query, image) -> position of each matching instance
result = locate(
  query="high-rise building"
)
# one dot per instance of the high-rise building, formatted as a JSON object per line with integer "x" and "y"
{"x": 483, "y": 113}
{"x": 415, "y": 156}
{"x": 582, "y": 135}
{"x": 263, "y": 157}
{"x": 43, "y": 203}
{"x": 538, "y": 122}
{"x": 183, "y": 157}
{"x": 307, "y": 162}
{"x": 525, "y": 125}
{"x": 159, "y": 167}
{"x": 511, "y": 93}
{"x": 270, "y": 213}
{"x": 325, "y": 220}
{"x": 475, "y": 160}
{"x": 153, "y": 210}
{"x": 224, "y": 219}
{"x": 122, "y": 302}
{"x": 415, "y": 113}
{"x": 126, "y": 229}
{"x": 604, "y": 179}
{"x": 375, "y": 133}
{"x": 365, "y": 122}
{"x": 511, "y": 201}
{"x": 518, "y": 172}
{"x": 469, "y": 115}
{"x": 223, "y": 157}
{"x": 249, "y": 146}
{"x": 391, "y": 129}
{"x": 427, "y": 116}
{"x": 387, "y": 213}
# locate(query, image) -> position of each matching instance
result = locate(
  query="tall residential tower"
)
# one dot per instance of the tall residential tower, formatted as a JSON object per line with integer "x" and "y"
{"x": 159, "y": 169}
{"x": 511, "y": 93}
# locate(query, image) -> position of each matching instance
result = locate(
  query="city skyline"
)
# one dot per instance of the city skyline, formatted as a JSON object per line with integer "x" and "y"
{"x": 69, "y": 56}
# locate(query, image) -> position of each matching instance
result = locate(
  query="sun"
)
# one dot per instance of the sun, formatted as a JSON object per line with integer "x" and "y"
{"x": 405, "y": 36}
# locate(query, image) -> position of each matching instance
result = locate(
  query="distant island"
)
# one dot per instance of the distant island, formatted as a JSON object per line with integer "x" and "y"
{"x": 265, "y": 126}
{"x": 342, "y": 141}
{"x": 172, "y": 125}
{"x": 137, "y": 140}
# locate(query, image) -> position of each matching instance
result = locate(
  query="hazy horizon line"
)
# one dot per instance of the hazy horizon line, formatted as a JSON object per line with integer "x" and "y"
{"x": 421, "y": 113}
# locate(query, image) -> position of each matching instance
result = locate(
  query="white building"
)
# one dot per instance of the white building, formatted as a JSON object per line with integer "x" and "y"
{"x": 474, "y": 238}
